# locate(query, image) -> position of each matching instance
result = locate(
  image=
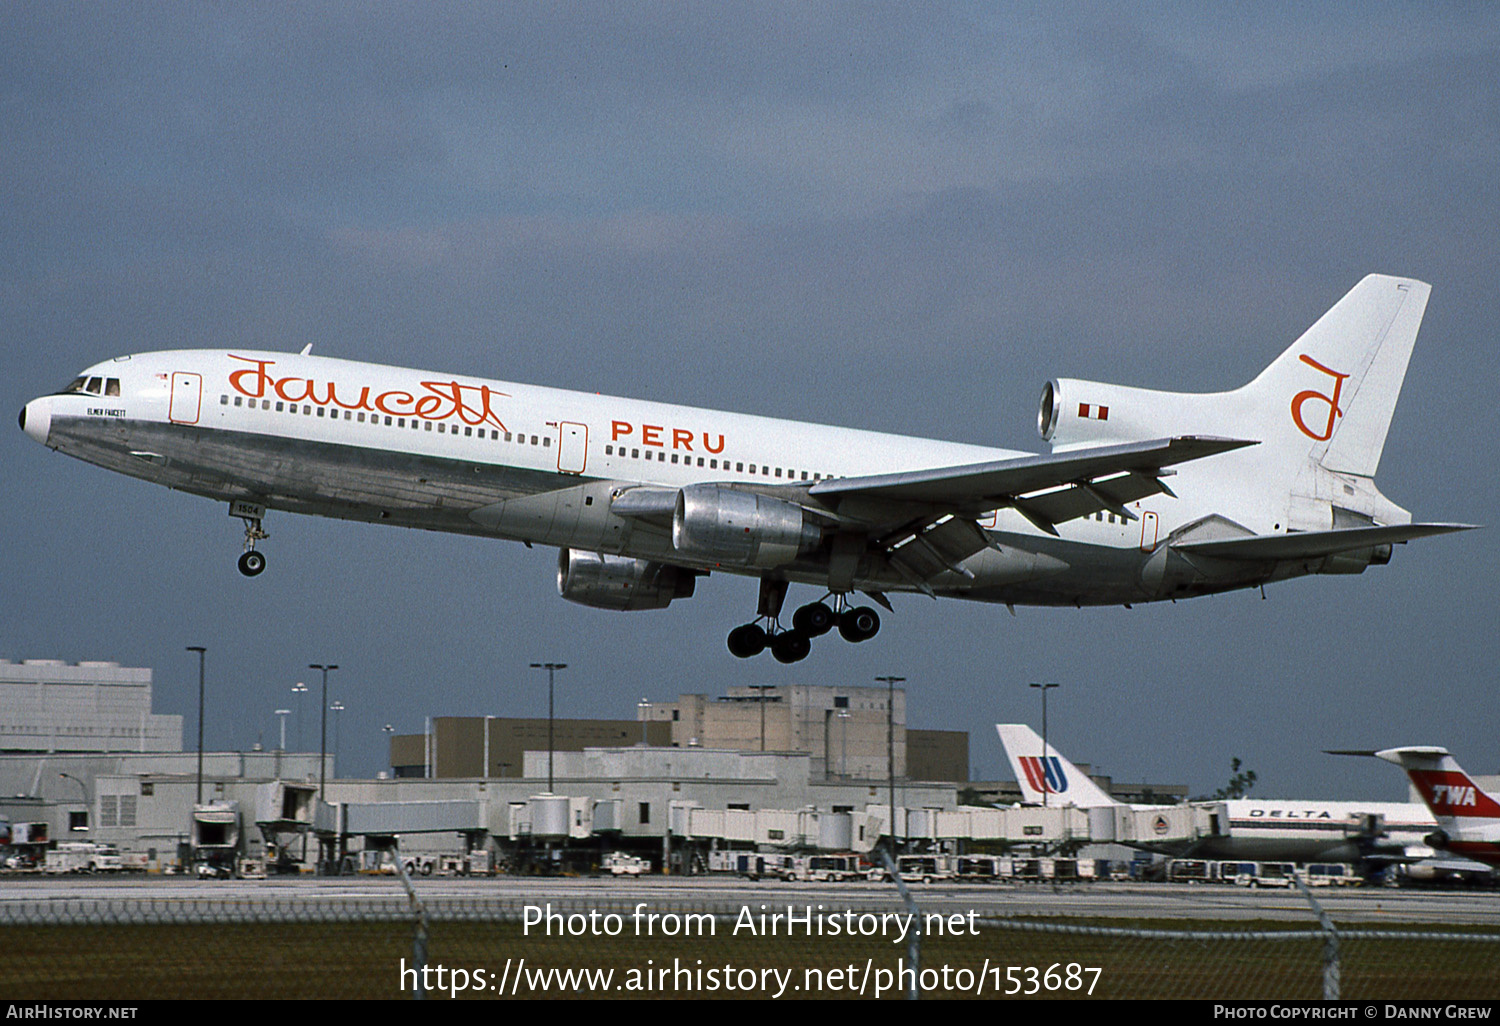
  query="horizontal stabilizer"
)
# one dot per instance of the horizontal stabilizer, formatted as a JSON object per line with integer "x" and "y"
{"x": 1313, "y": 544}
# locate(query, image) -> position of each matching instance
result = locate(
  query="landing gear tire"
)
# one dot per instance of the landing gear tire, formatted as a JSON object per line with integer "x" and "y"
{"x": 252, "y": 563}
{"x": 790, "y": 646}
{"x": 859, "y": 624}
{"x": 749, "y": 640}
{"x": 814, "y": 619}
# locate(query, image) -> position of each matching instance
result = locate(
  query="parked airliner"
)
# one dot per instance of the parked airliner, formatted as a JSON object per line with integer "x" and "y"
{"x": 1269, "y": 481}
{"x": 1373, "y": 833}
{"x": 1467, "y": 816}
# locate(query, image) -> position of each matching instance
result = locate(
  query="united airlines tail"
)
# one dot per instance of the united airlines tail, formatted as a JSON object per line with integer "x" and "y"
{"x": 1045, "y": 773}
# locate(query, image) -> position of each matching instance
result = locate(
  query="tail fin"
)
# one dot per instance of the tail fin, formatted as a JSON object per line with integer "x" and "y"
{"x": 1337, "y": 386}
{"x": 1329, "y": 397}
{"x": 1046, "y": 773}
{"x": 1448, "y": 791}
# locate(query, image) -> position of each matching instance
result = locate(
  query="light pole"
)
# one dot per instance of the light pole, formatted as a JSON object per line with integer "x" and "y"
{"x": 389, "y": 732}
{"x": 551, "y": 669}
{"x": 890, "y": 749}
{"x": 200, "y": 650}
{"x": 283, "y": 713}
{"x": 642, "y": 708}
{"x": 299, "y": 689}
{"x": 843, "y": 715}
{"x": 323, "y": 742}
{"x": 336, "y": 708}
{"x": 1044, "y": 688}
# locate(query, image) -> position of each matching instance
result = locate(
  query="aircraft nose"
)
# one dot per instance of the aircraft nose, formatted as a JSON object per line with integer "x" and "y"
{"x": 36, "y": 419}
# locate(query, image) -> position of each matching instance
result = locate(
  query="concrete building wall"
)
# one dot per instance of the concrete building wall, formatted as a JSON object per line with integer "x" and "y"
{"x": 455, "y": 747}
{"x": 938, "y": 754}
{"x": 843, "y": 729}
{"x": 47, "y": 705}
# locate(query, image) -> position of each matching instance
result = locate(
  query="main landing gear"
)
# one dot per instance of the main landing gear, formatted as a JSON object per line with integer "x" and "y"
{"x": 810, "y": 621}
{"x": 251, "y": 562}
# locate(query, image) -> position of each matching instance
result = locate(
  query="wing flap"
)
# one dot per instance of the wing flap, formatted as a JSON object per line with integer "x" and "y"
{"x": 1111, "y": 495}
{"x": 1312, "y": 544}
{"x": 920, "y": 555}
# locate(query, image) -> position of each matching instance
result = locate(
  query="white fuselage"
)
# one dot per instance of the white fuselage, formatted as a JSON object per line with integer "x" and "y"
{"x": 542, "y": 465}
{"x": 1310, "y": 831}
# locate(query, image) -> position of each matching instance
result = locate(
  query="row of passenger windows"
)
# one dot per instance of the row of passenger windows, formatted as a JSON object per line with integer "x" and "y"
{"x": 417, "y": 423}
{"x": 307, "y": 410}
{"x": 712, "y": 464}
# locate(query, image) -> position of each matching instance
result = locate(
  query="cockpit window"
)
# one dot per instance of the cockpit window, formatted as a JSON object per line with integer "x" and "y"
{"x": 94, "y": 385}
{"x": 111, "y": 386}
{"x": 76, "y": 386}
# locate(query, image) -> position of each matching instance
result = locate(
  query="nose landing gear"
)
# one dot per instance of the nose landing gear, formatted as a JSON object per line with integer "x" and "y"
{"x": 251, "y": 562}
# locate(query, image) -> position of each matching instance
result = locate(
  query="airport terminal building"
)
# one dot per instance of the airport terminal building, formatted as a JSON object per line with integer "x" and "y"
{"x": 773, "y": 768}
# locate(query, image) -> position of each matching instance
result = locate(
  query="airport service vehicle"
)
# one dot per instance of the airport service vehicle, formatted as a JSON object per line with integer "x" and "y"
{"x": 1330, "y": 874}
{"x": 620, "y": 863}
{"x": 980, "y": 868}
{"x": 920, "y": 868}
{"x": 82, "y": 857}
{"x": 1269, "y": 874}
{"x": 823, "y": 868}
{"x": 420, "y": 864}
{"x": 1467, "y": 816}
{"x": 1270, "y": 481}
{"x": 1251, "y": 829}
{"x": 216, "y": 838}
{"x": 1189, "y": 871}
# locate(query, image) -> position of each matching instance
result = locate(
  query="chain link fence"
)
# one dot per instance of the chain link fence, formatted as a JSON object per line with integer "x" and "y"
{"x": 487, "y": 947}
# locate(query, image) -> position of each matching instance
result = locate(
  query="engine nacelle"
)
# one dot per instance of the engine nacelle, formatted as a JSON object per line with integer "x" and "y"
{"x": 724, "y": 525}
{"x": 620, "y": 583}
{"x": 1075, "y": 412}
{"x": 1354, "y": 561}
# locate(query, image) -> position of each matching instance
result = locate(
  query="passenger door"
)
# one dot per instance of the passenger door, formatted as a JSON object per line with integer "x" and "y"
{"x": 187, "y": 397}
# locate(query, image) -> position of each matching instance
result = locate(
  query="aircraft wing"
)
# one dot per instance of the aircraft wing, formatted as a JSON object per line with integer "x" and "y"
{"x": 1046, "y": 490}
{"x": 931, "y": 515}
{"x": 1313, "y": 544}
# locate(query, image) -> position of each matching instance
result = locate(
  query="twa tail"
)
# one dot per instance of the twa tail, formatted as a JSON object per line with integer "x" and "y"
{"x": 1468, "y": 816}
{"x": 1047, "y": 775}
{"x": 1449, "y": 792}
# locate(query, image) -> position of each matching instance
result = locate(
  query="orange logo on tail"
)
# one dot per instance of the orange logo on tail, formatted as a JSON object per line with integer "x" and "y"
{"x": 1332, "y": 400}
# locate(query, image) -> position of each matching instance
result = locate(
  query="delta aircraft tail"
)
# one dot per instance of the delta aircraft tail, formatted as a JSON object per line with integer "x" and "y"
{"x": 1046, "y": 773}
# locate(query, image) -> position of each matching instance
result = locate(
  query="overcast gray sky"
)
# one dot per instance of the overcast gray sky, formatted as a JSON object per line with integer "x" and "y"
{"x": 897, "y": 217}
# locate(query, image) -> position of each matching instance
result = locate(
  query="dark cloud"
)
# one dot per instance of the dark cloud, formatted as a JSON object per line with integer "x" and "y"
{"x": 903, "y": 220}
